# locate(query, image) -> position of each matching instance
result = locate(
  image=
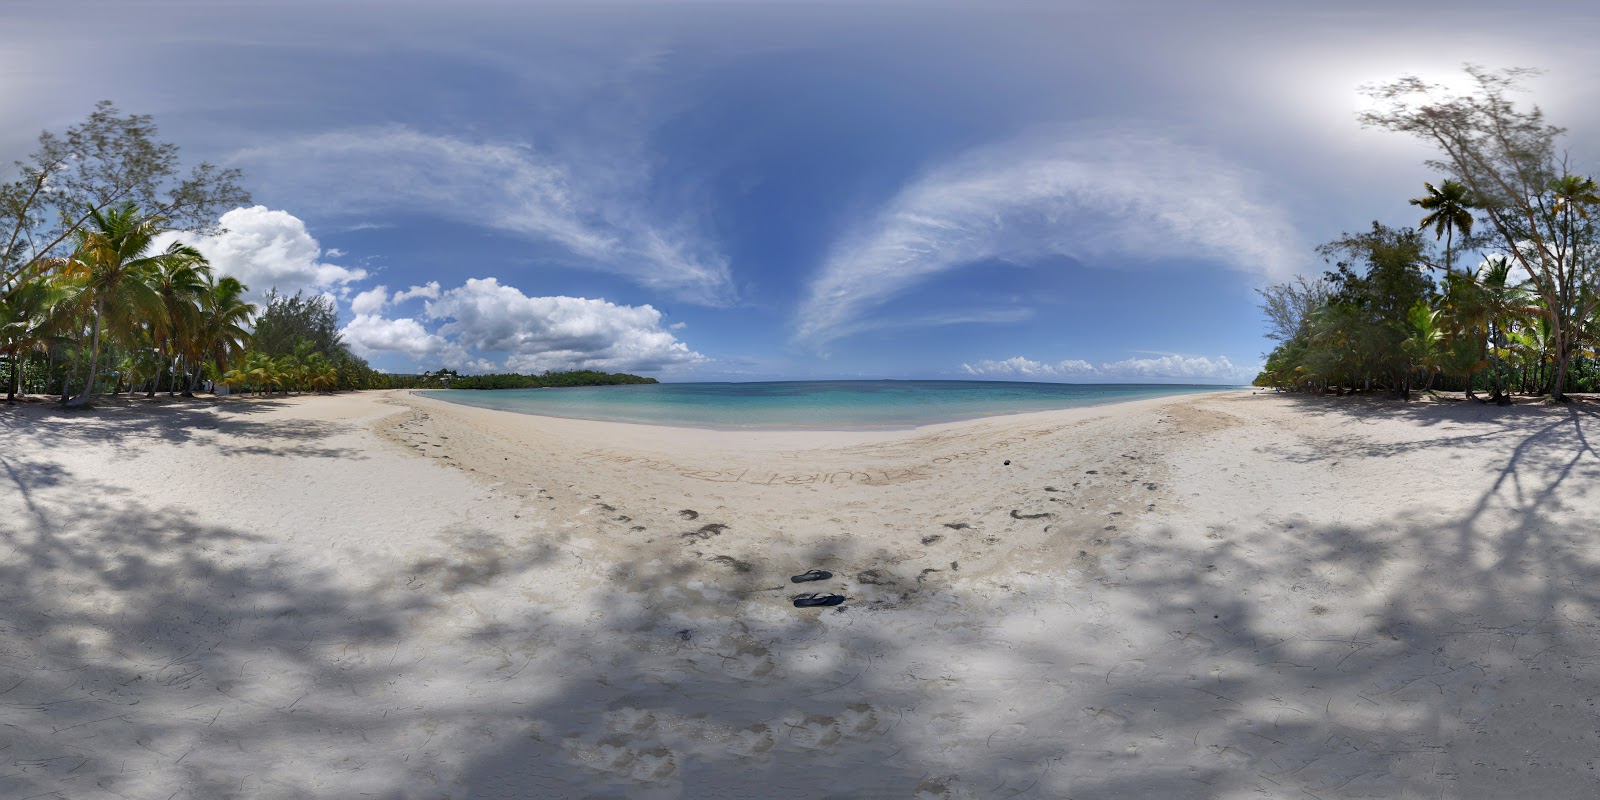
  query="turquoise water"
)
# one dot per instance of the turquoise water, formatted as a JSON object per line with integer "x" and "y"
{"x": 808, "y": 405}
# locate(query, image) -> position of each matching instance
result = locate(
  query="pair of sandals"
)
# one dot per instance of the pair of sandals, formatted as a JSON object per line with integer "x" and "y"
{"x": 815, "y": 599}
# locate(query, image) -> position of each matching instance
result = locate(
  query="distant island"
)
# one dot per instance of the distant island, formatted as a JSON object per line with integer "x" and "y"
{"x": 450, "y": 379}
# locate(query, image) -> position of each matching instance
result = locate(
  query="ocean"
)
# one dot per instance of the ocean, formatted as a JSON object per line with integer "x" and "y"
{"x": 807, "y": 405}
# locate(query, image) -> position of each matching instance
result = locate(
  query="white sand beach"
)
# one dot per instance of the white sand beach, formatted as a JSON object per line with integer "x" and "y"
{"x": 1211, "y": 596}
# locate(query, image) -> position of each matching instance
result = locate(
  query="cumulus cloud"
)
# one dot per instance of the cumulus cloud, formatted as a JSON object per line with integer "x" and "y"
{"x": 370, "y": 335}
{"x": 267, "y": 249}
{"x": 371, "y": 301}
{"x": 486, "y": 318}
{"x": 1097, "y": 198}
{"x": 1168, "y": 369}
{"x": 429, "y": 291}
{"x": 542, "y": 333}
{"x": 590, "y": 214}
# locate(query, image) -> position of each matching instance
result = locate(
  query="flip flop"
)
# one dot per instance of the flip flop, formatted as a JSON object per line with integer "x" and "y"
{"x": 810, "y": 600}
{"x": 813, "y": 575}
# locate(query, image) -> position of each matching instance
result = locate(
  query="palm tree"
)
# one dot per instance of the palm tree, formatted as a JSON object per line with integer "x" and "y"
{"x": 29, "y": 323}
{"x": 114, "y": 272}
{"x": 1449, "y": 208}
{"x": 182, "y": 285}
{"x": 224, "y": 320}
{"x": 1425, "y": 344}
{"x": 1504, "y": 303}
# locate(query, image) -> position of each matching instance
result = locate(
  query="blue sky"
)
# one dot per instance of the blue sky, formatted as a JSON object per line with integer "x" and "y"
{"x": 756, "y": 191}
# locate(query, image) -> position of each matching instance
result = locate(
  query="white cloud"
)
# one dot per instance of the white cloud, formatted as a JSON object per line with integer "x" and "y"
{"x": 976, "y": 316}
{"x": 540, "y": 333}
{"x": 267, "y": 249}
{"x": 590, "y": 213}
{"x": 430, "y": 291}
{"x": 533, "y": 334}
{"x": 370, "y": 335}
{"x": 1170, "y": 369}
{"x": 370, "y": 302}
{"x": 1098, "y": 198}
{"x": 334, "y": 252}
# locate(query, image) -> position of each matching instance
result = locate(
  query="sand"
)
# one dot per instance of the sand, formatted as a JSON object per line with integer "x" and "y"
{"x": 382, "y": 595}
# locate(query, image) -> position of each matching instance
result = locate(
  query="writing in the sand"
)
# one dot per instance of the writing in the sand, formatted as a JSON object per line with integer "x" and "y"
{"x": 768, "y": 478}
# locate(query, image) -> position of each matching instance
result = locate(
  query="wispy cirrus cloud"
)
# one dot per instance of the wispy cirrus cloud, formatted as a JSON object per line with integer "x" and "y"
{"x": 590, "y": 215}
{"x": 1166, "y": 368}
{"x": 1097, "y": 197}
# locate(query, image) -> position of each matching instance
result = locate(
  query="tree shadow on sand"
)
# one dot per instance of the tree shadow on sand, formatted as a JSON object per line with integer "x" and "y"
{"x": 1434, "y": 654}
{"x": 129, "y": 427}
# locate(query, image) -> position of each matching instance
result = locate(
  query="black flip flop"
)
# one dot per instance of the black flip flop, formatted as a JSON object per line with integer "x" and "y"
{"x": 813, "y": 575}
{"x": 810, "y": 600}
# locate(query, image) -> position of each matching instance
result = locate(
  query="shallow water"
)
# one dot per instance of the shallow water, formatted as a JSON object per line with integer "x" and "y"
{"x": 808, "y": 405}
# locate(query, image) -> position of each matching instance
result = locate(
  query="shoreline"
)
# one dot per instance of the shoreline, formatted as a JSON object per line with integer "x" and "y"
{"x": 1188, "y": 596}
{"x": 823, "y": 429}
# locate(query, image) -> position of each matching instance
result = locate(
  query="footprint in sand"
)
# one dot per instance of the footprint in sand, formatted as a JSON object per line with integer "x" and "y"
{"x": 746, "y": 661}
{"x": 629, "y": 720}
{"x": 858, "y": 719}
{"x": 752, "y": 741}
{"x": 811, "y": 731}
{"x": 943, "y": 789}
{"x": 620, "y": 756}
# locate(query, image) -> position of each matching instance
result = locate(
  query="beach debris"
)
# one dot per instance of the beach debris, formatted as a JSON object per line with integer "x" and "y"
{"x": 1092, "y": 472}
{"x": 685, "y": 634}
{"x": 706, "y": 531}
{"x": 1008, "y": 463}
{"x": 874, "y": 577}
{"x": 957, "y": 526}
{"x": 923, "y": 575}
{"x": 1015, "y": 514}
{"x": 818, "y": 599}
{"x": 689, "y": 513}
{"x": 931, "y": 538}
{"x": 811, "y": 575}
{"x": 741, "y": 567}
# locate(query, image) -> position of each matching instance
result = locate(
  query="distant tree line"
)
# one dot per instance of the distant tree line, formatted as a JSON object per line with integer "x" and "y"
{"x": 1397, "y": 314}
{"x": 449, "y": 379}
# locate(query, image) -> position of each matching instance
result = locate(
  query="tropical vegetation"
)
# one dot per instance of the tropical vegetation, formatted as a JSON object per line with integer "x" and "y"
{"x": 1398, "y": 313}
{"x": 97, "y": 296}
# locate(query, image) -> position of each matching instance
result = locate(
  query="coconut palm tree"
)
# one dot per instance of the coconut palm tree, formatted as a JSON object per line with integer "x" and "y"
{"x": 1425, "y": 345}
{"x": 182, "y": 286}
{"x": 1449, "y": 208}
{"x": 224, "y": 334}
{"x": 30, "y": 322}
{"x": 113, "y": 270}
{"x": 1505, "y": 304}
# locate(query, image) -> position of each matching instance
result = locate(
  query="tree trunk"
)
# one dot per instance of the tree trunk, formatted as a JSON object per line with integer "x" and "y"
{"x": 94, "y": 359}
{"x": 155, "y": 384}
{"x": 16, "y": 380}
{"x": 1558, "y": 390}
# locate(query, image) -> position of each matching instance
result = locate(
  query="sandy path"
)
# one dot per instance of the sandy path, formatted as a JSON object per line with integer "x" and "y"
{"x": 1216, "y": 596}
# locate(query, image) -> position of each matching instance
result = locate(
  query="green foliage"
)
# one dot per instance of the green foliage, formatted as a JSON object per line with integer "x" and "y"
{"x": 288, "y": 320}
{"x": 1509, "y": 162}
{"x": 98, "y": 164}
{"x": 449, "y": 379}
